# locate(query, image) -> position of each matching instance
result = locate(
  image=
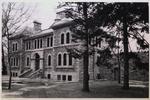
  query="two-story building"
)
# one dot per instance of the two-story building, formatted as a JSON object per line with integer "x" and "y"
{"x": 43, "y": 53}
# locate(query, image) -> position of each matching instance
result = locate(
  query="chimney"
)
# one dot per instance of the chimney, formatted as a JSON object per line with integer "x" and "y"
{"x": 37, "y": 26}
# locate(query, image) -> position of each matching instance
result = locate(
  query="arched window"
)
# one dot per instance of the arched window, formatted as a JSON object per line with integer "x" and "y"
{"x": 70, "y": 59}
{"x": 38, "y": 43}
{"x": 27, "y": 61}
{"x": 62, "y": 38}
{"x": 35, "y": 44}
{"x": 17, "y": 61}
{"x": 49, "y": 60}
{"x": 68, "y": 38}
{"x": 41, "y": 43}
{"x": 14, "y": 63}
{"x": 51, "y": 41}
{"x": 59, "y": 59}
{"x": 48, "y": 42}
{"x": 65, "y": 59}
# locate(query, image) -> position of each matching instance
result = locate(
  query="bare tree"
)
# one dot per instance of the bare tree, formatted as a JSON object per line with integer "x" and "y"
{"x": 14, "y": 15}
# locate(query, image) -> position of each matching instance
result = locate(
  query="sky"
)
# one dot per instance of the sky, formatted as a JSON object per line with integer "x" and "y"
{"x": 43, "y": 12}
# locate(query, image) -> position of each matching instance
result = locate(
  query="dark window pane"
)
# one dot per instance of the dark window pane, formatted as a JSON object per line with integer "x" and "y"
{"x": 49, "y": 60}
{"x": 51, "y": 41}
{"x": 59, "y": 59}
{"x": 40, "y": 43}
{"x": 49, "y": 76}
{"x": 27, "y": 61}
{"x": 13, "y": 47}
{"x": 26, "y": 45}
{"x": 17, "y": 61}
{"x": 69, "y": 78}
{"x": 35, "y": 44}
{"x": 16, "y": 47}
{"x": 62, "y": 38}
{"x": 70, "y": 59}
{"x": 29, "y": 45}
{"x": 16, "y": 74}
{"x": 14, "y": 62}
{"x": 58, "y": 77}
{"x": 65, "y": 59}
{"x": 47, "y": 42}
{"x": 64, "y": 77}
{"x": 67, "y": 37}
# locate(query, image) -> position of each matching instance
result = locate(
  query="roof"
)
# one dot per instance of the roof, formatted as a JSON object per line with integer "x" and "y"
{"x": 41, "y": 33}
{"x": 62, "y": 23}
{"x": 28, "y": 34}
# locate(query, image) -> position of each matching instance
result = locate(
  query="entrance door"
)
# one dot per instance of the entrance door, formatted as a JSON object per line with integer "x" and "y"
{"x": 37, "y": 61}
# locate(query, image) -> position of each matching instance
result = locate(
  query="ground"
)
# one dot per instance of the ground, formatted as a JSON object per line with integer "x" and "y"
{"x": 37, "y": 88}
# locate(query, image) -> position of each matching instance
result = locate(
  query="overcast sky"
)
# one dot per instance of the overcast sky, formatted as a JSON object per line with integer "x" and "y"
{"x": 44, "y": 12}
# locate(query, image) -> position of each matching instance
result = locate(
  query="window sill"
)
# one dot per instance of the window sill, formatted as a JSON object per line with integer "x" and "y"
{"x": 48, "y": 67}
{"x": 64, "y": 67}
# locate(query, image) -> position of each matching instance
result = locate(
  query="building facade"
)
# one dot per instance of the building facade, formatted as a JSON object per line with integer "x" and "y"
{"x": 43, "y": 53}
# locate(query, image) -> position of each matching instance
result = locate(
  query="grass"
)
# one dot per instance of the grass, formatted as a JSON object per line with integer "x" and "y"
{"x": 98, "y": 89}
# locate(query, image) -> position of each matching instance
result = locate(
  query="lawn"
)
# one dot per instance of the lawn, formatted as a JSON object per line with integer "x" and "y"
{"x": 98, "y": 89}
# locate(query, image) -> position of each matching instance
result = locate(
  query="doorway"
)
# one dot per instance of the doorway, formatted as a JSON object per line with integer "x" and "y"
{"x": 37, "y": 61}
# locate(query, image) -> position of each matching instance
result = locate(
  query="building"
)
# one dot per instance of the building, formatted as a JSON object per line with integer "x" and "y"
{"x": 43, "y": 53}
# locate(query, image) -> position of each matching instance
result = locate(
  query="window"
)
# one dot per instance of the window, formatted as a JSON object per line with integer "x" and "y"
{"x": 27, "y": 62}
{"x": 14, "y": 62}
{"x": 48, "y": 42}
{"x": 69, "y": 78}
{"x": 11, "y": 62}
{"x": 70, "y": 59}
{"x": 64, "y": 77}
{"x": 62, "y": 38}
{"x": 59, "y": 59}
{"x": 29, "y": 44}
{"x": 49, "y": 76}
{"x": 67, "y": 38}
{"x": 51, "y": 41}
{"x": 35, "y": 44}
{"x": 17, "y": 61}
{"x": 58, "y": 77}
{"x": 15, "y": 47}
{"x": 49, "y": 60}
{"x": 13, "y": 75}
{"x": 26, "y": 45}
{"x": 40, "y": 43}
{"x": 65, "y": 59}
{"x": 98, "y": 76}
{"x": 16, "y": 74}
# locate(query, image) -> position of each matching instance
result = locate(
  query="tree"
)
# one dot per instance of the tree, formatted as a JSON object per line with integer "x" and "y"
{"x": 87, "y": 31}
{"x": 133, "y": 18}
{"x": 14, "y": 15}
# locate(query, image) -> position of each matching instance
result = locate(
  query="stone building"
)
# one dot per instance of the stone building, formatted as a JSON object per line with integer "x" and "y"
{"x": 43, "y": 53}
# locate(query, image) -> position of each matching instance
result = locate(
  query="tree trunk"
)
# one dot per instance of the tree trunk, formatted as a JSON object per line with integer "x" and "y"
{"x": 119, "y": 69}
{"x": 86, "y": 55}
{"x": 10, "y": 74}
{"x": 126, "y": 59}
{"x": 4, "y": 68}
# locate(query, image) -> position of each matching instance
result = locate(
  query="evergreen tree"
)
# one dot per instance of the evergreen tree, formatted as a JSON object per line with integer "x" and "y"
{"x": 133, "y": 20}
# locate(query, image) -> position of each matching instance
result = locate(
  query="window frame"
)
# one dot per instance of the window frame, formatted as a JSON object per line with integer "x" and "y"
{"x": 67, "y": 37}
{"x": 27, "y": 61}
{"x": 62, "y": 38}
{"x": 49, "y": 61}
{"x": 59, "y": 59}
